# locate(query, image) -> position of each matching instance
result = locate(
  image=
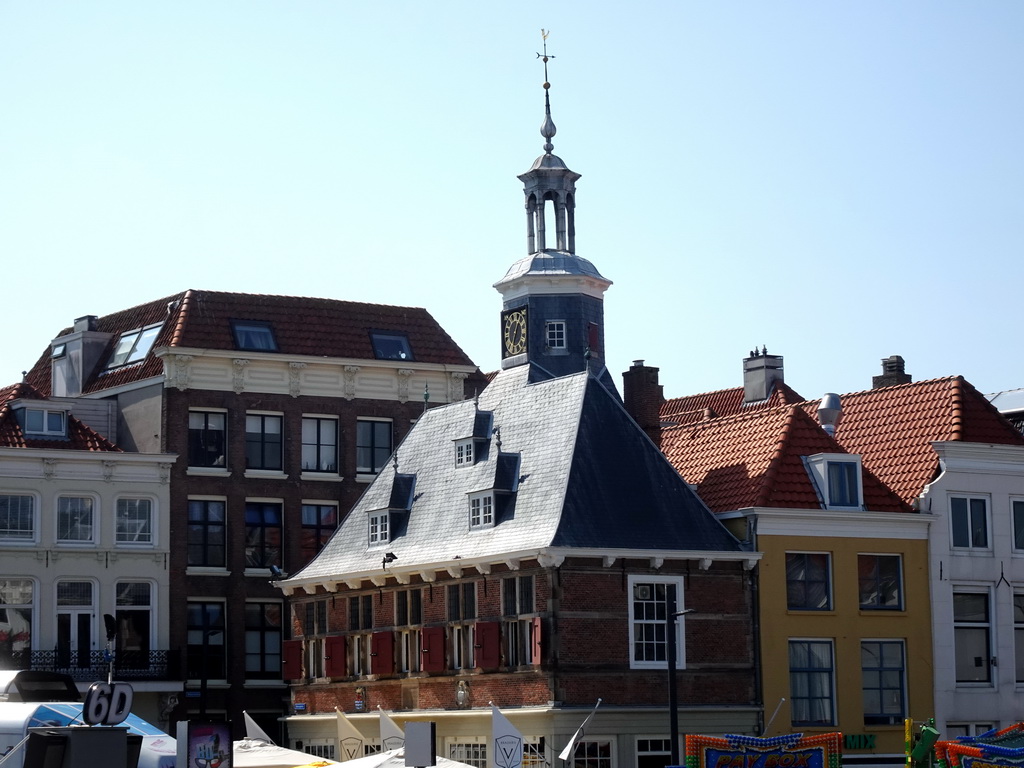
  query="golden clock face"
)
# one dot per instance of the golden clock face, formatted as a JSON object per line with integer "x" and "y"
{"x": 514, "y": 332}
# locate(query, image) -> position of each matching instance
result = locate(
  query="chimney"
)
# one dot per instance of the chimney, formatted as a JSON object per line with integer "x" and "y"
{"x": 760, "y": 372}
{"x": 829, "y": 412}
{"x": 892, "y": 373}
{"x": 74, "y": 356}
{"x": 643, "y": 397}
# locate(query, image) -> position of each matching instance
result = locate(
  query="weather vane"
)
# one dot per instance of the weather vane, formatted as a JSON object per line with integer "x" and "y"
{"x": 544, "y": 56}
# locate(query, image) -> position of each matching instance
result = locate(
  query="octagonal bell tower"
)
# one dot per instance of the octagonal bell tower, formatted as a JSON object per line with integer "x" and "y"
{"x": 553, "y": 301}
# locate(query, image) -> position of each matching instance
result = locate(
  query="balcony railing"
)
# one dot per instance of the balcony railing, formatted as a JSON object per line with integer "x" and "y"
{"x": 91, "y": 665}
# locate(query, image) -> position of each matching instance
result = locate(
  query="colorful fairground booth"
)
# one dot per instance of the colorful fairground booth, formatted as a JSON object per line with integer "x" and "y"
{"x": 1002, "y": 748}
{"x": 793, "y": 750}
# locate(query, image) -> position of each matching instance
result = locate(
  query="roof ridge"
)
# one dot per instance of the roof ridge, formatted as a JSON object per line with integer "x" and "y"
{"x": 767, "y": 479}
{"x": 956, "y": 408}
{"x": 757, "y": 413}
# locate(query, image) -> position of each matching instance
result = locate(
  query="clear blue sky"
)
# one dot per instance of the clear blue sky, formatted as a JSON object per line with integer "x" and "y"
{"x": 839, "y": 181}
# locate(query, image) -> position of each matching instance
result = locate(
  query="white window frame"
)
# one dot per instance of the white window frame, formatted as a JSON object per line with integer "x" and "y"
{"x": 464, "y": 453}
{"x": 971, "y": 546}
{"x": 457, "y": 748}
{"x": 136, "y": 542}
{"x": 94, "y": 518}
{"x": 221, "y": 469}
{"x": 1018, "y": 526}
{"x": 32, "y": 606}
{"x": 135, "y": 353}
{"x": 316, "y": 473}
{"x": 634, "y": 623}
{"x": 33, "y": 514}
{"x": 378, "y": 527}
{"x": 555, "y": 335}
{"x": 1018, "y": 636}
{"x": 819, "y": 468}
{"x": 970, "y": 729}
{"x": 262, "y": 417}
{"x": 61, "y": 431}
{"x": 150, "y": 607}
{"x": 481, "y": 510}
{"x": 577, "y": 760}
{"x": 367, "y": 474}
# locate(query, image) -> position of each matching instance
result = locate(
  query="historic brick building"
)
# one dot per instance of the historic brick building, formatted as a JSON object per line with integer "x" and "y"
{"x": 530, "y": 547}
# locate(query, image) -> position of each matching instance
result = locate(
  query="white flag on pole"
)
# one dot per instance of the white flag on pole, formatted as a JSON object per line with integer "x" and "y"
{"x": 391, "y": 736}
{"x": 507, "y": 741}
{"x": 350, "y": 740}
{"x": 566, "y": 754}
{"x": 253, "y": 731}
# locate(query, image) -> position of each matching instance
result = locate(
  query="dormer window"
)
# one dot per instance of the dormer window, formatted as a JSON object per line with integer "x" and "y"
{"x": 464, "y": 453}
{"x": 39, "y": 421}
{"x": 481, "y": 510}
{"x": 254, "y": 336}
{"x": 838, "y": 478}
{"x": 390, "y": 346}
{"x": 380, "y": 527}
{"x": 133, "y": 346}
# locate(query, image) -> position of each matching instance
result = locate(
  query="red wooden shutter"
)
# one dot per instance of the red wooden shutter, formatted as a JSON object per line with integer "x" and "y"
{"x": 487, "y": 642}
{"x": 291, "y": 658}
{"x": 432, "y": 652}
{"x": 382, "y": 653}
{"x": 535, "y": 640}
{"x": 334, "y": 656}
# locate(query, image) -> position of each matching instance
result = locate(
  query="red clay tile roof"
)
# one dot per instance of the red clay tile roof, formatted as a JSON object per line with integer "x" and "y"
{"x": 754, "y": 459}
{"x": 892, "y": 428}
{"x": 81, "y": 437}
{"x": 724, "y": 402}
{"x": 302, "y": 326}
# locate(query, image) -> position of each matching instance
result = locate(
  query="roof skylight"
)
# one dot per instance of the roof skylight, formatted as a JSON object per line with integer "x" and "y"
{"x": 133, "y": 346}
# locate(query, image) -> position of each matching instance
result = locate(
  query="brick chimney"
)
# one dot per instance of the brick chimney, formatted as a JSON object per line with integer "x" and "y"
{"x": 760, "y": 372}
{"x": 643, "y": 397}
{"x": 892, "y": 373}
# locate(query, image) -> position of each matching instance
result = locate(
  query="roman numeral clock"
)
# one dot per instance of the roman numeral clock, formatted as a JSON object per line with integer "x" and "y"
{"x": 513, "y": 332}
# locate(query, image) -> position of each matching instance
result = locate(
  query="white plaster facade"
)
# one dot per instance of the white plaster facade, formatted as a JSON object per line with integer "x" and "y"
{"x": 116, "y": 566}
{"x": 988, "y": 577}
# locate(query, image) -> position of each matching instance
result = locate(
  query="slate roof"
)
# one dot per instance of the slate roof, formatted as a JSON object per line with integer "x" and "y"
{"x": 724, "y": 402}
{"x": 80, "y": 436}
{"x": 754, "y": 459}
{"x": 588, "y": 478}
{"x": 301, "y": 325}
{"x": 892, "y": 428}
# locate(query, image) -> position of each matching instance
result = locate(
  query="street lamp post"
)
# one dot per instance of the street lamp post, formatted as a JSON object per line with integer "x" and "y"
{"x": 673, "y": 699}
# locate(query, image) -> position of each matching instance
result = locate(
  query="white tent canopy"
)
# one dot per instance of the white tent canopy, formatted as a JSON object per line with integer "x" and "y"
{"x": 256, "y": 753}
{"x": 395, "y": 758}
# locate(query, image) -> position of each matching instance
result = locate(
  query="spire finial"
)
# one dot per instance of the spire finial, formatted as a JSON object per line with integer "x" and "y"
{"x": 547, "y": 128}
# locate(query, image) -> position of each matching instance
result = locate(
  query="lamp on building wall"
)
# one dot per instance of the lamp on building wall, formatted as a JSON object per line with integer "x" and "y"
{"x": 673, "y": 700}
{"x": 462, "y": 694}
{"x": 389, "y": 557}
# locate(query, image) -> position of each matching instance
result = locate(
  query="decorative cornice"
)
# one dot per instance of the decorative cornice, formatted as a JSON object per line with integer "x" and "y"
{"x": 238, "y": 375}
{"x": 295, "y": 378}
{"x": 350, "y": 372}
{"x": 181, "y": 374}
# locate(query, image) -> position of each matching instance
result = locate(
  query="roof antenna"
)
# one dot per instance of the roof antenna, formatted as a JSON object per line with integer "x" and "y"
{"x": 426, "y": 395}
{"x": 394, "y": 460}
{"x": 547, "y": 128}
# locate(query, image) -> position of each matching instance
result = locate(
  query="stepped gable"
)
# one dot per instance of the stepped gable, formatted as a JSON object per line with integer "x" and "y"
{"x": 302, "y": 326}
{"x": 723, "y": 402}
{"x": 80, "y": 436}
{"x": 892, "y": 428}
{"x": 582, "y": 482}
{"x": 753, "y": 459}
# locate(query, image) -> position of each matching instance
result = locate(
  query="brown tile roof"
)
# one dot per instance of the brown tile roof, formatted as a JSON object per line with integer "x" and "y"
{"x": 81, "y": 437}
{"x": 754, "y": 459}
{"x": 892, "y": 428}
{"x": 724, "y": 402}
{"x": 302, "y": 326}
